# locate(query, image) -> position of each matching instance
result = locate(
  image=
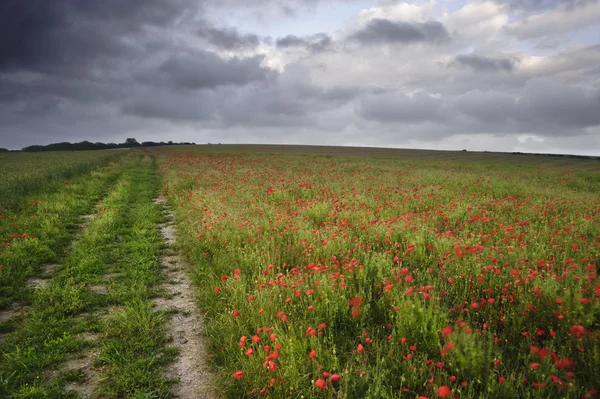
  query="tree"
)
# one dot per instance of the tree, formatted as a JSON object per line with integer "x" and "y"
{"x": 131, "y": 142}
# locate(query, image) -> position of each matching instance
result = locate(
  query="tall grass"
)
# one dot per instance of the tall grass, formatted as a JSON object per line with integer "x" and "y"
{"x": 403, "y": 278}
{"x": 27, "y": 173}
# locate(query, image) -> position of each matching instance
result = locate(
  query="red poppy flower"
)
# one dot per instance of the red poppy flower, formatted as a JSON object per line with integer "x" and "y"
{"x": 356, "y": 301}
{"x": 272, "y": 366}
{"x": 443, "y": 391}
{"x": 238, "y": 375}
{"x": 320, "y": 383}
{"x": 446, "y": 331}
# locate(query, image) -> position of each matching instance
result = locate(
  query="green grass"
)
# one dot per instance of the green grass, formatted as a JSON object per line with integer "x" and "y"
{"x": 29, "y": 173}
{"x": 400, "y": 272}
{"x": 122, "y": 240}
{"x": 40, "y": 229}
{"x": 389, "y": 252}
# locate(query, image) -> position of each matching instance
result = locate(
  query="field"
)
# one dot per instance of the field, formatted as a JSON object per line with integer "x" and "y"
{"x": 24, "y": 173}
{"x": 319, "y": 272}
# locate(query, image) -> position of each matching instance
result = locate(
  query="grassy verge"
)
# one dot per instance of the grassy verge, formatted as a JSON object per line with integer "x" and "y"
{"x": 40, "y": 229}
{"x": 104, "y": 288}
{"x": 25, "y": 174}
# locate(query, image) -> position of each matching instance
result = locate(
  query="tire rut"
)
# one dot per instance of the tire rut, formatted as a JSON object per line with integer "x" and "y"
{"x": 189, "y": 369}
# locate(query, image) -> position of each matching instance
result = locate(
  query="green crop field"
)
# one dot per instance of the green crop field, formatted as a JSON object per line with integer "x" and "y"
{"x": 23, "y": 173}
{"x": 319, "y": 272}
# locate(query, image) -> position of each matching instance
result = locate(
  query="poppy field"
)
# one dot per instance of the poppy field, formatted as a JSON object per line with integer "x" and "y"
{"x": 389, "y": 277}
{"x": 318, "y": 272}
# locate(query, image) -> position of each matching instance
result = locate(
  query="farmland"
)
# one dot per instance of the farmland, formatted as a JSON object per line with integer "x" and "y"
{"x": 320, "y": 272}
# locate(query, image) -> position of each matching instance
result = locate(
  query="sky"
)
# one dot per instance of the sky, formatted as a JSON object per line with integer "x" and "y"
{"x": 514, "y": 75}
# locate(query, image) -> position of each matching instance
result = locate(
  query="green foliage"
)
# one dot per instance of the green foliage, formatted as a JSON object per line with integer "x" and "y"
{"x": 403, "y": 275}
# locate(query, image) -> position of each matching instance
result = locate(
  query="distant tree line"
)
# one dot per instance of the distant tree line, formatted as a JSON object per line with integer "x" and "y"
{"x": 86, "y": 146}
{"x": 559, "y": 155}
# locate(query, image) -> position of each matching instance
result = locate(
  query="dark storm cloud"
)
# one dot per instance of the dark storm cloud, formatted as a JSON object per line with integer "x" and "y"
{"x": 483, "y": 64}
{"x": 201, "y": 69}
{"x": 71, "y": 35}
{"x": 284, "y": 100}
{"x": 229, "y": 38}
{"x": 98, "y": 70}
{"x": 315, "y": 43}
{"x": 383, "y": 31}
{"x": 167, "y": 107}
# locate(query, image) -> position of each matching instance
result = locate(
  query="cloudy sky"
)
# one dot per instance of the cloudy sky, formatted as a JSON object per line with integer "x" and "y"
{"x": 515, "y": 75}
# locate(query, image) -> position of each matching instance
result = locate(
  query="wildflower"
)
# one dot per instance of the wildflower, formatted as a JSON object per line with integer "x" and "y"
{"x": 360, "y": 348}
{"x": 238, "y": 375}
{"x": 577, "y": 331}
{"x": 443, "y": 391}
{"x": 312, "y": 354}
{"x": 272, "y": 366}
{"x": 446, "y": 331}
{"x": 320, "y": 383}
{"x": 356, "y": 301}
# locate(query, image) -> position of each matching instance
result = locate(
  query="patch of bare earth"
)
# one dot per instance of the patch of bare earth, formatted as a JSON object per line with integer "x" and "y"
{"x": 190, "y": 370}
{"x": 14, "y": 310}
{"x": 42, "y": 280}
{"x": 88, "y": 379}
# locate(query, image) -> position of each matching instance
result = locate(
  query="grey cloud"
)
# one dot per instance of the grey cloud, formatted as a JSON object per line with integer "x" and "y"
{"x": 548, "y": 103}
{"x": 315, "y": 43}
{"x": 543, "y": 107}
{"x": 493, "y": 108}
{"x": 565, "y": 17}
{"x": 484, "y": 64}
{"x": 69, "y": 36}
{"x": 167, "y": 107}
{"x": 229, "y": 38}
{"x": 400, "y": 108}
{"x": 205, "y": 70}
{"x": 535, "y": 5}
{"x": 291, "y": 41}
{"x": 380, "y": 31}
{"x": 288, "y": 99}
{"x": 74, "y": 70}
